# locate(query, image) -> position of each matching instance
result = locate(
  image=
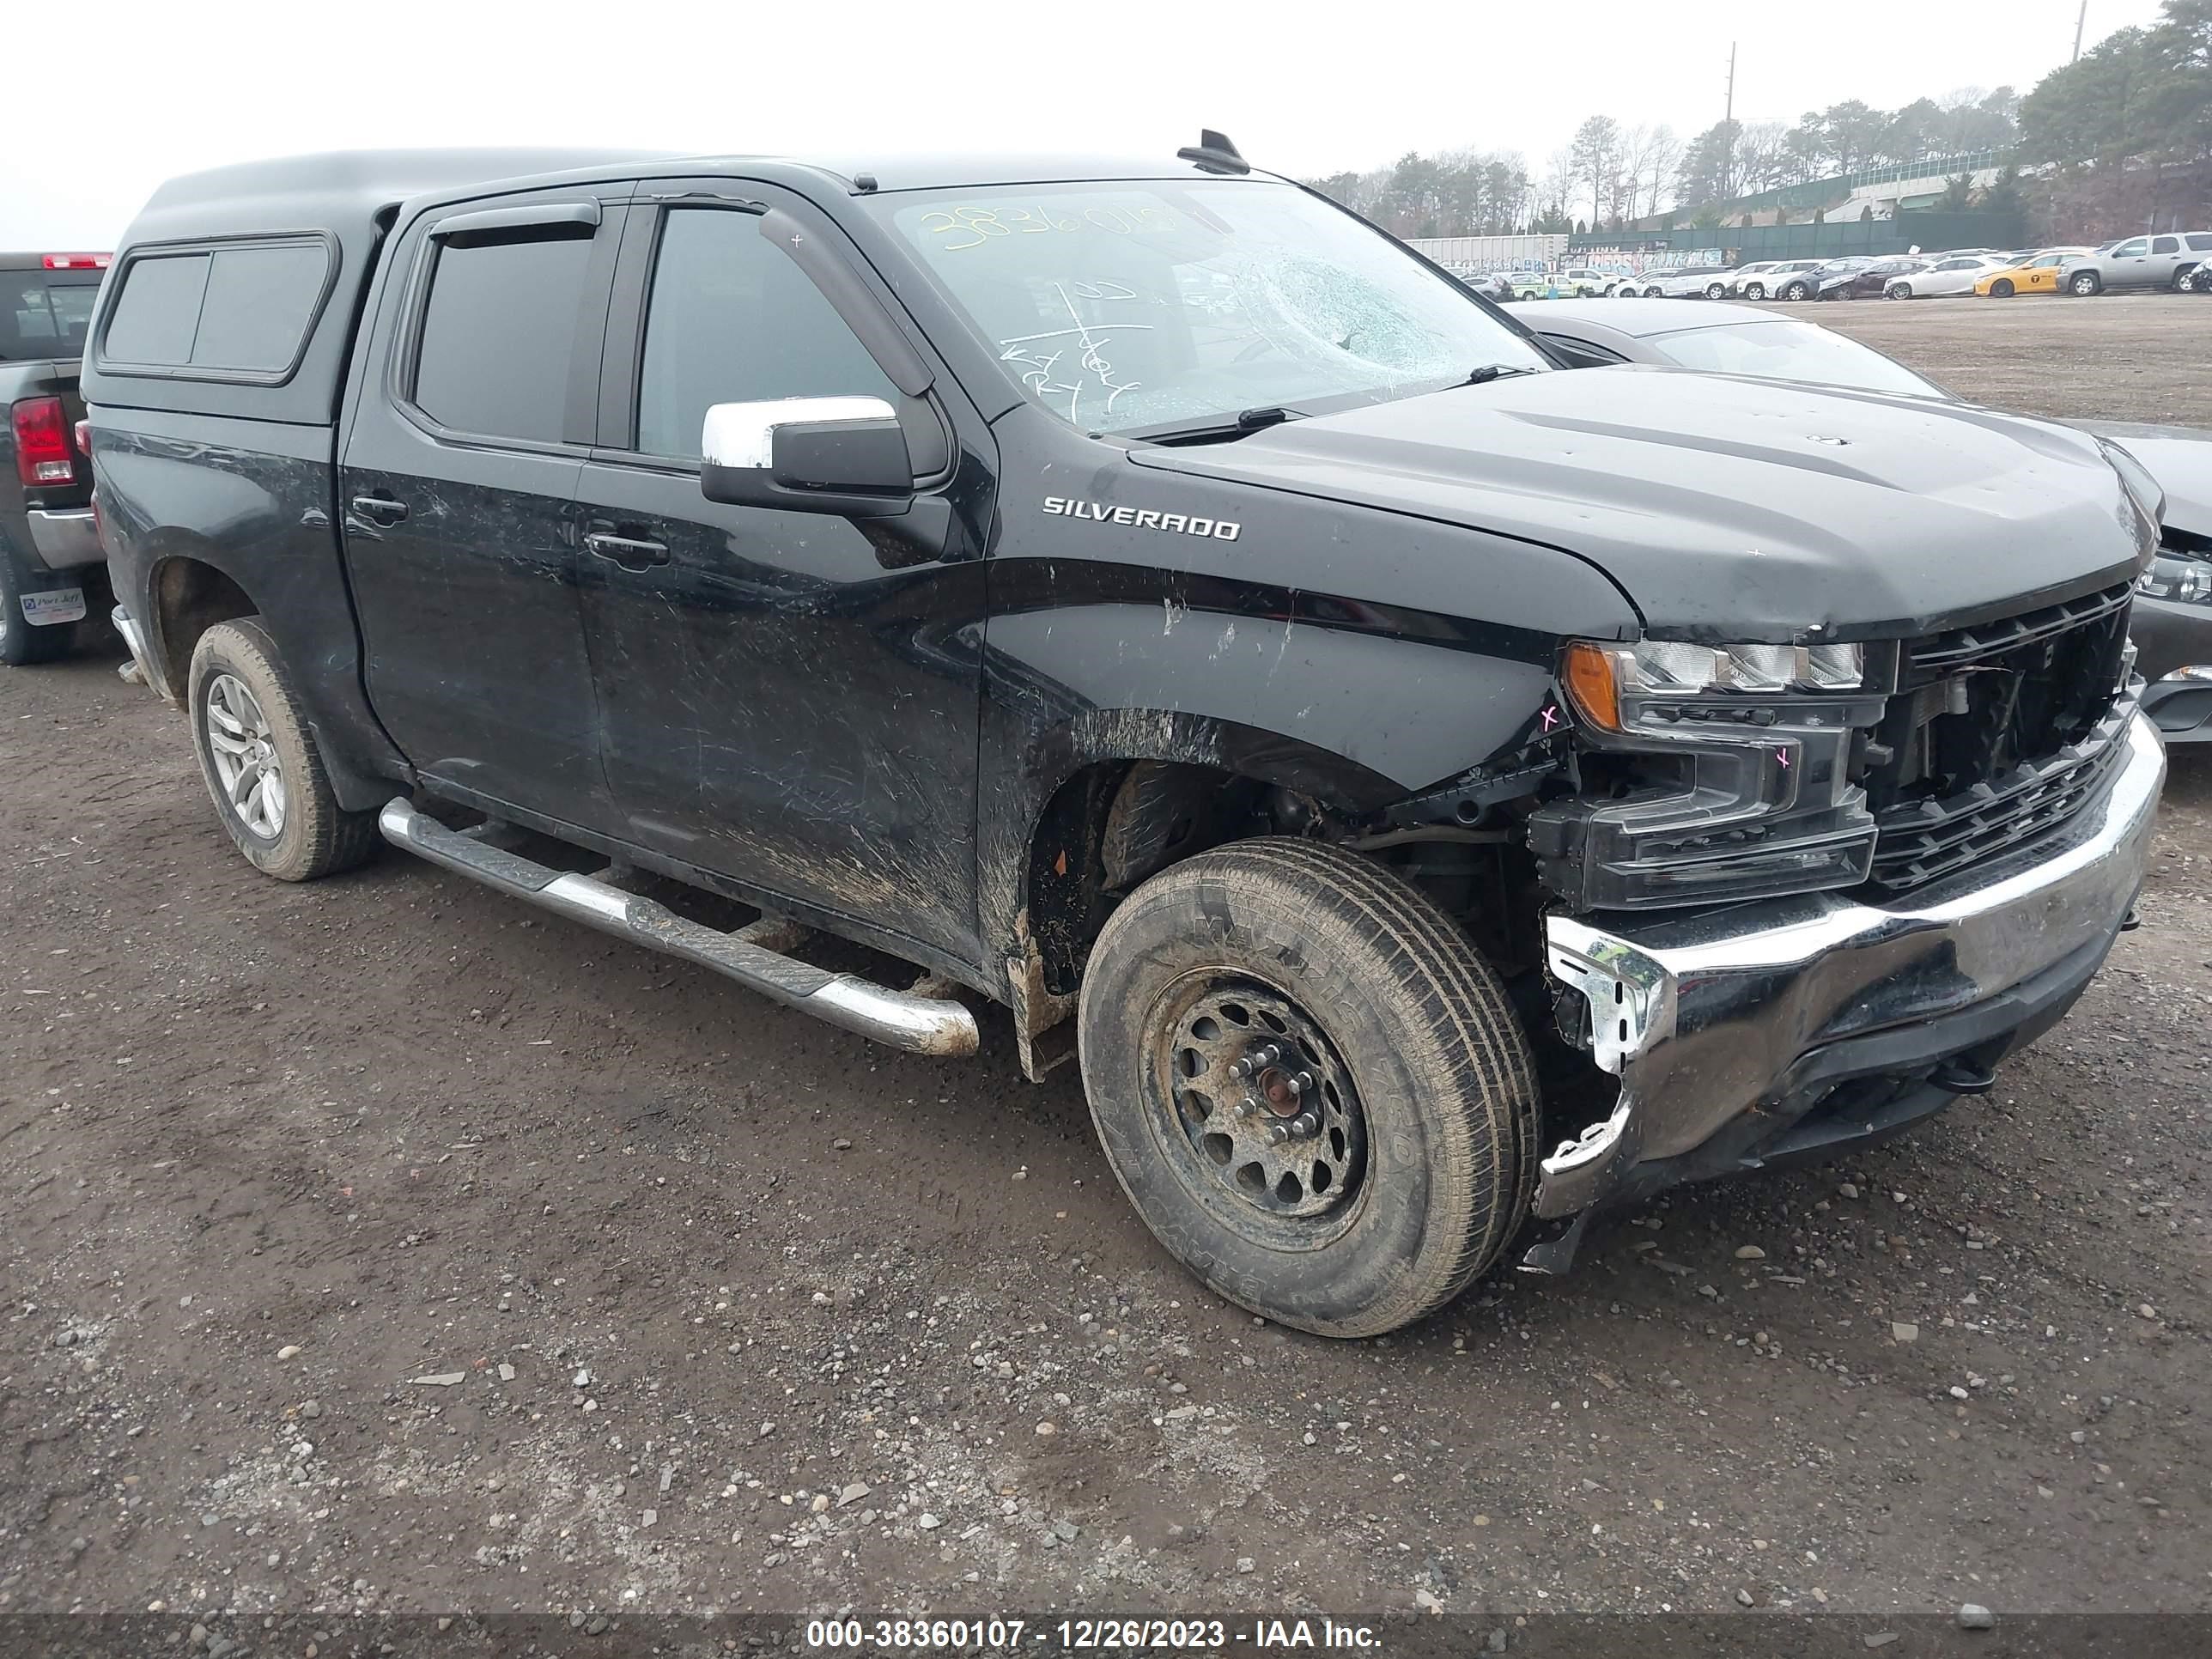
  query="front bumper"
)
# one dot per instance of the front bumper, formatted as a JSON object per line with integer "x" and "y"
{"x": 2180, "y": 706}
{"x": 1730, "y": 1028}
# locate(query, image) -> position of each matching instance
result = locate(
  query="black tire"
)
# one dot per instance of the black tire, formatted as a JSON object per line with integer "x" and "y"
{"x": 1795, "y": 290}
{"x": 2001, "y": 290}
{"x": 1754, "y": 291}
{"x": 2084, "y": 284}
{"x": 1716, "y": 290}
{"x": 313, "y": 835}
{"x": 2200, "y": 280}
{"x": 20, "y": 643}
{"x": 1655, "y": 292}
{"x": 1433, "y": 1132}
{"x": 1897, "y": 291}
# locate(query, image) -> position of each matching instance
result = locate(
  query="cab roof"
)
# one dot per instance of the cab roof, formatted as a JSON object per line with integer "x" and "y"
{"x": 339, "y": 188}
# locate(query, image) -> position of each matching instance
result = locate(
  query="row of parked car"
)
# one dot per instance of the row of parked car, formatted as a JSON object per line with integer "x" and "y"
{"x": 2181, "y": 261}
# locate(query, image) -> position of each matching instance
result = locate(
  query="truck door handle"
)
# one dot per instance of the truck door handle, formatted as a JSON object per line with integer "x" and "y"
{"x": 379, "y": 509}
{"x": 625, "y": 550}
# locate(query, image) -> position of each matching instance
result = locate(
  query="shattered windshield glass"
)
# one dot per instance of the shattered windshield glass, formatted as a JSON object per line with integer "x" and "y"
{"x": 1123, "y": 306}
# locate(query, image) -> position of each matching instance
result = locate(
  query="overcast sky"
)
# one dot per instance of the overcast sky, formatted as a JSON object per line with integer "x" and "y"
{"x": 1305, "y": 88}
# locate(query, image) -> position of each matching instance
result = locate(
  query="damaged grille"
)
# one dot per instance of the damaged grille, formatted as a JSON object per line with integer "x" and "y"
{"x": 1997, "y": 734}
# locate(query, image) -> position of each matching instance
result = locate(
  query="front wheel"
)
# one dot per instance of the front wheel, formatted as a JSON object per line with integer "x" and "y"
{"x": 1796, "y": 291}
{"x": 261, "y": 762}
{"x": 1754, "y": 290}
{"x": 2001, "y": 290}
{"x": 2084, "y": 284}
{"x": 1899, "y": 291}
{"x": 1311, "y": 1088}
{"x": 2200, "y": 280}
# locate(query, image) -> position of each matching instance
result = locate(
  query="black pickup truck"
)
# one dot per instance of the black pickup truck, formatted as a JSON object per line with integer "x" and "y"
{"x": 50, "y": 551}
{"x": 1144, "y": 595}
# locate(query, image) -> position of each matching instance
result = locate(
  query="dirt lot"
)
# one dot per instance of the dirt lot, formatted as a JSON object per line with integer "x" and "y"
{"x": 380, "y": 1244}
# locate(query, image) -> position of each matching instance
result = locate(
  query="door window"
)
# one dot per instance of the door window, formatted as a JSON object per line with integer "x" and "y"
{"x": 499, "y": 331}
{"x": 2130, "y": 250}
{"x": 732, "y": 320}
{"x": 2166, "y": 244}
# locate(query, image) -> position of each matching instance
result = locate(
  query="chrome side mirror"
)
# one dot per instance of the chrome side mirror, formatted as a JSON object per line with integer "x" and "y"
{"x": 846, "y": 456}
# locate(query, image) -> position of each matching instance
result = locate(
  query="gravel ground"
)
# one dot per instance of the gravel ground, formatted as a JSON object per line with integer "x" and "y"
{"x": 379, "y": 1244}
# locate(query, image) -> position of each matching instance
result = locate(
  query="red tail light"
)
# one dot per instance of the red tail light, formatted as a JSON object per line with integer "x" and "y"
{"x": 76, "y": 261}
{"x": 42, "y": 445}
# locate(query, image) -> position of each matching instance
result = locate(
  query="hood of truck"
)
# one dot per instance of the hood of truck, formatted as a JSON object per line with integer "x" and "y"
{"x": 1725, "y": 507}
{"x": 2180, "y": 457}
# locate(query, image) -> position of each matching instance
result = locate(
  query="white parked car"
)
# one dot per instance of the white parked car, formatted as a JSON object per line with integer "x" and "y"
{"x": 1785, "y": 279}
{"x": 1690, "y": 281}
{"x": 1731, "y": 284}
{"x": 1953, "y": 274}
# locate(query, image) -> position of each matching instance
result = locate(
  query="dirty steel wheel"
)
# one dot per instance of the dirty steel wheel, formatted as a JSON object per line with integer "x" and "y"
{"x": 1312, "y": 1089}
{"x": 261, "y": 766}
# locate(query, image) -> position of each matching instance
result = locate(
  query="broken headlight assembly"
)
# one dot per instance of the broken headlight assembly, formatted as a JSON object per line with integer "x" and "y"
{"x": 1713, "y": 773}
{"x": 2178, "y": 577}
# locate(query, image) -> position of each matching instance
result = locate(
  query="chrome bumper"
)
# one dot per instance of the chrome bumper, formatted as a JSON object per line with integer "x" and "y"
{"x": 65, "y": 539}
{"x": 1706, "y": 1018}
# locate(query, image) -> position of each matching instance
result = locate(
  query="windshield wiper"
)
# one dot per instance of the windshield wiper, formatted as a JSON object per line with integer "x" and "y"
{"x": 1490, "y": 371}
{"x": 1215, "y": 432}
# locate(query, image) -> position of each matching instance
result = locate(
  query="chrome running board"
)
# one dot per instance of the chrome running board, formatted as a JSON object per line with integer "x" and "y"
{"x": 919, "y": 1025}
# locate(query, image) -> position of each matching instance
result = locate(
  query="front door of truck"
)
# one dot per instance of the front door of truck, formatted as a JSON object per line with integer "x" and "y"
{"x": 473, "y": 414}
{"x": 784, "y": 701}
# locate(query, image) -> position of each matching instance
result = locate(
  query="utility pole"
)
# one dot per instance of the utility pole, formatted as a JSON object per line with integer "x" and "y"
{"x": 2080, "y": 18}
{"x": 1727, "y": 109}
{"x": 1727, "y": 120}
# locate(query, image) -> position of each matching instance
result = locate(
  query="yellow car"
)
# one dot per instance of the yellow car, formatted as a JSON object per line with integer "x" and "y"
{"x": 2036, "y": 274}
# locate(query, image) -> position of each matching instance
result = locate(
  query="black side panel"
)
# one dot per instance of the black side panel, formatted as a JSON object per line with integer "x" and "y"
{"x": 463, "y": 549}
{"x": 252, "y": 499}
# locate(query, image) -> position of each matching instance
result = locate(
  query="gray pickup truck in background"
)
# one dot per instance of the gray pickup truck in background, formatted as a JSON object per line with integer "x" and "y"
{"x": 53, "y": 572}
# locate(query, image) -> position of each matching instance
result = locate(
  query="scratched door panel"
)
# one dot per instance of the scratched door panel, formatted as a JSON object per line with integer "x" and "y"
{"x": 776, "y": 706}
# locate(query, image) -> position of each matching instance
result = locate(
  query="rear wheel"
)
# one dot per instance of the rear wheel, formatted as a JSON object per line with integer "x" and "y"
{"x": 1655, "y": 292}
{"x": 21, "y": 643}
{"x": 2086, "y": 283}
{"x": 1754, "y": 290}
{"x": 2200, "y": 280}
{"x": 261, "y": 762}
{"x": 1716, "y": 290}
{"x": 1311, "y": 1088}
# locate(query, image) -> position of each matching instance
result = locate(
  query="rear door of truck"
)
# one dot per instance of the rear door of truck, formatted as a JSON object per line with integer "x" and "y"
{"x": 457, "y": 489}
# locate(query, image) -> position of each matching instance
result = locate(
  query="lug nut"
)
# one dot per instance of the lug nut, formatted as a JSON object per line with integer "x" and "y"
{"x": 1240, "y": 1068}
{"x": 1246, "y": 1106}
{"x": 1305, "y": 1126}
{"x": 1278, "y": 1133}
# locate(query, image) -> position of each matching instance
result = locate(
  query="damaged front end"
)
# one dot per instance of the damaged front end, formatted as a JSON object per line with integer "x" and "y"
{"x": 1739, "y": 937}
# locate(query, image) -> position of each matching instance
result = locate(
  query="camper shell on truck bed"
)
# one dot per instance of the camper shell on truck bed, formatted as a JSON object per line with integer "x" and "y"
{"x": 1144, "y": 595}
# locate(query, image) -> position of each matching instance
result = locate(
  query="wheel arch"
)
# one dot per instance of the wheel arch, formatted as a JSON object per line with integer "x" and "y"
{"x": 1132, "y": 791}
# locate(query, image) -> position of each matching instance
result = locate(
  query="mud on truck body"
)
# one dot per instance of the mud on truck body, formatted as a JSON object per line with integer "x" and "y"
{"x": 1146, "y": 596}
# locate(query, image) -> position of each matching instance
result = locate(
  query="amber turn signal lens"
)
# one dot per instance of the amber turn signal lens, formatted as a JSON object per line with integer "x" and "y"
{"x": 1589, "y": 676}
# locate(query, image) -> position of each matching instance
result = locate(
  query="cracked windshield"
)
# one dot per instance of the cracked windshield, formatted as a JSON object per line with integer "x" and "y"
{"x": 1124, "y": 306}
